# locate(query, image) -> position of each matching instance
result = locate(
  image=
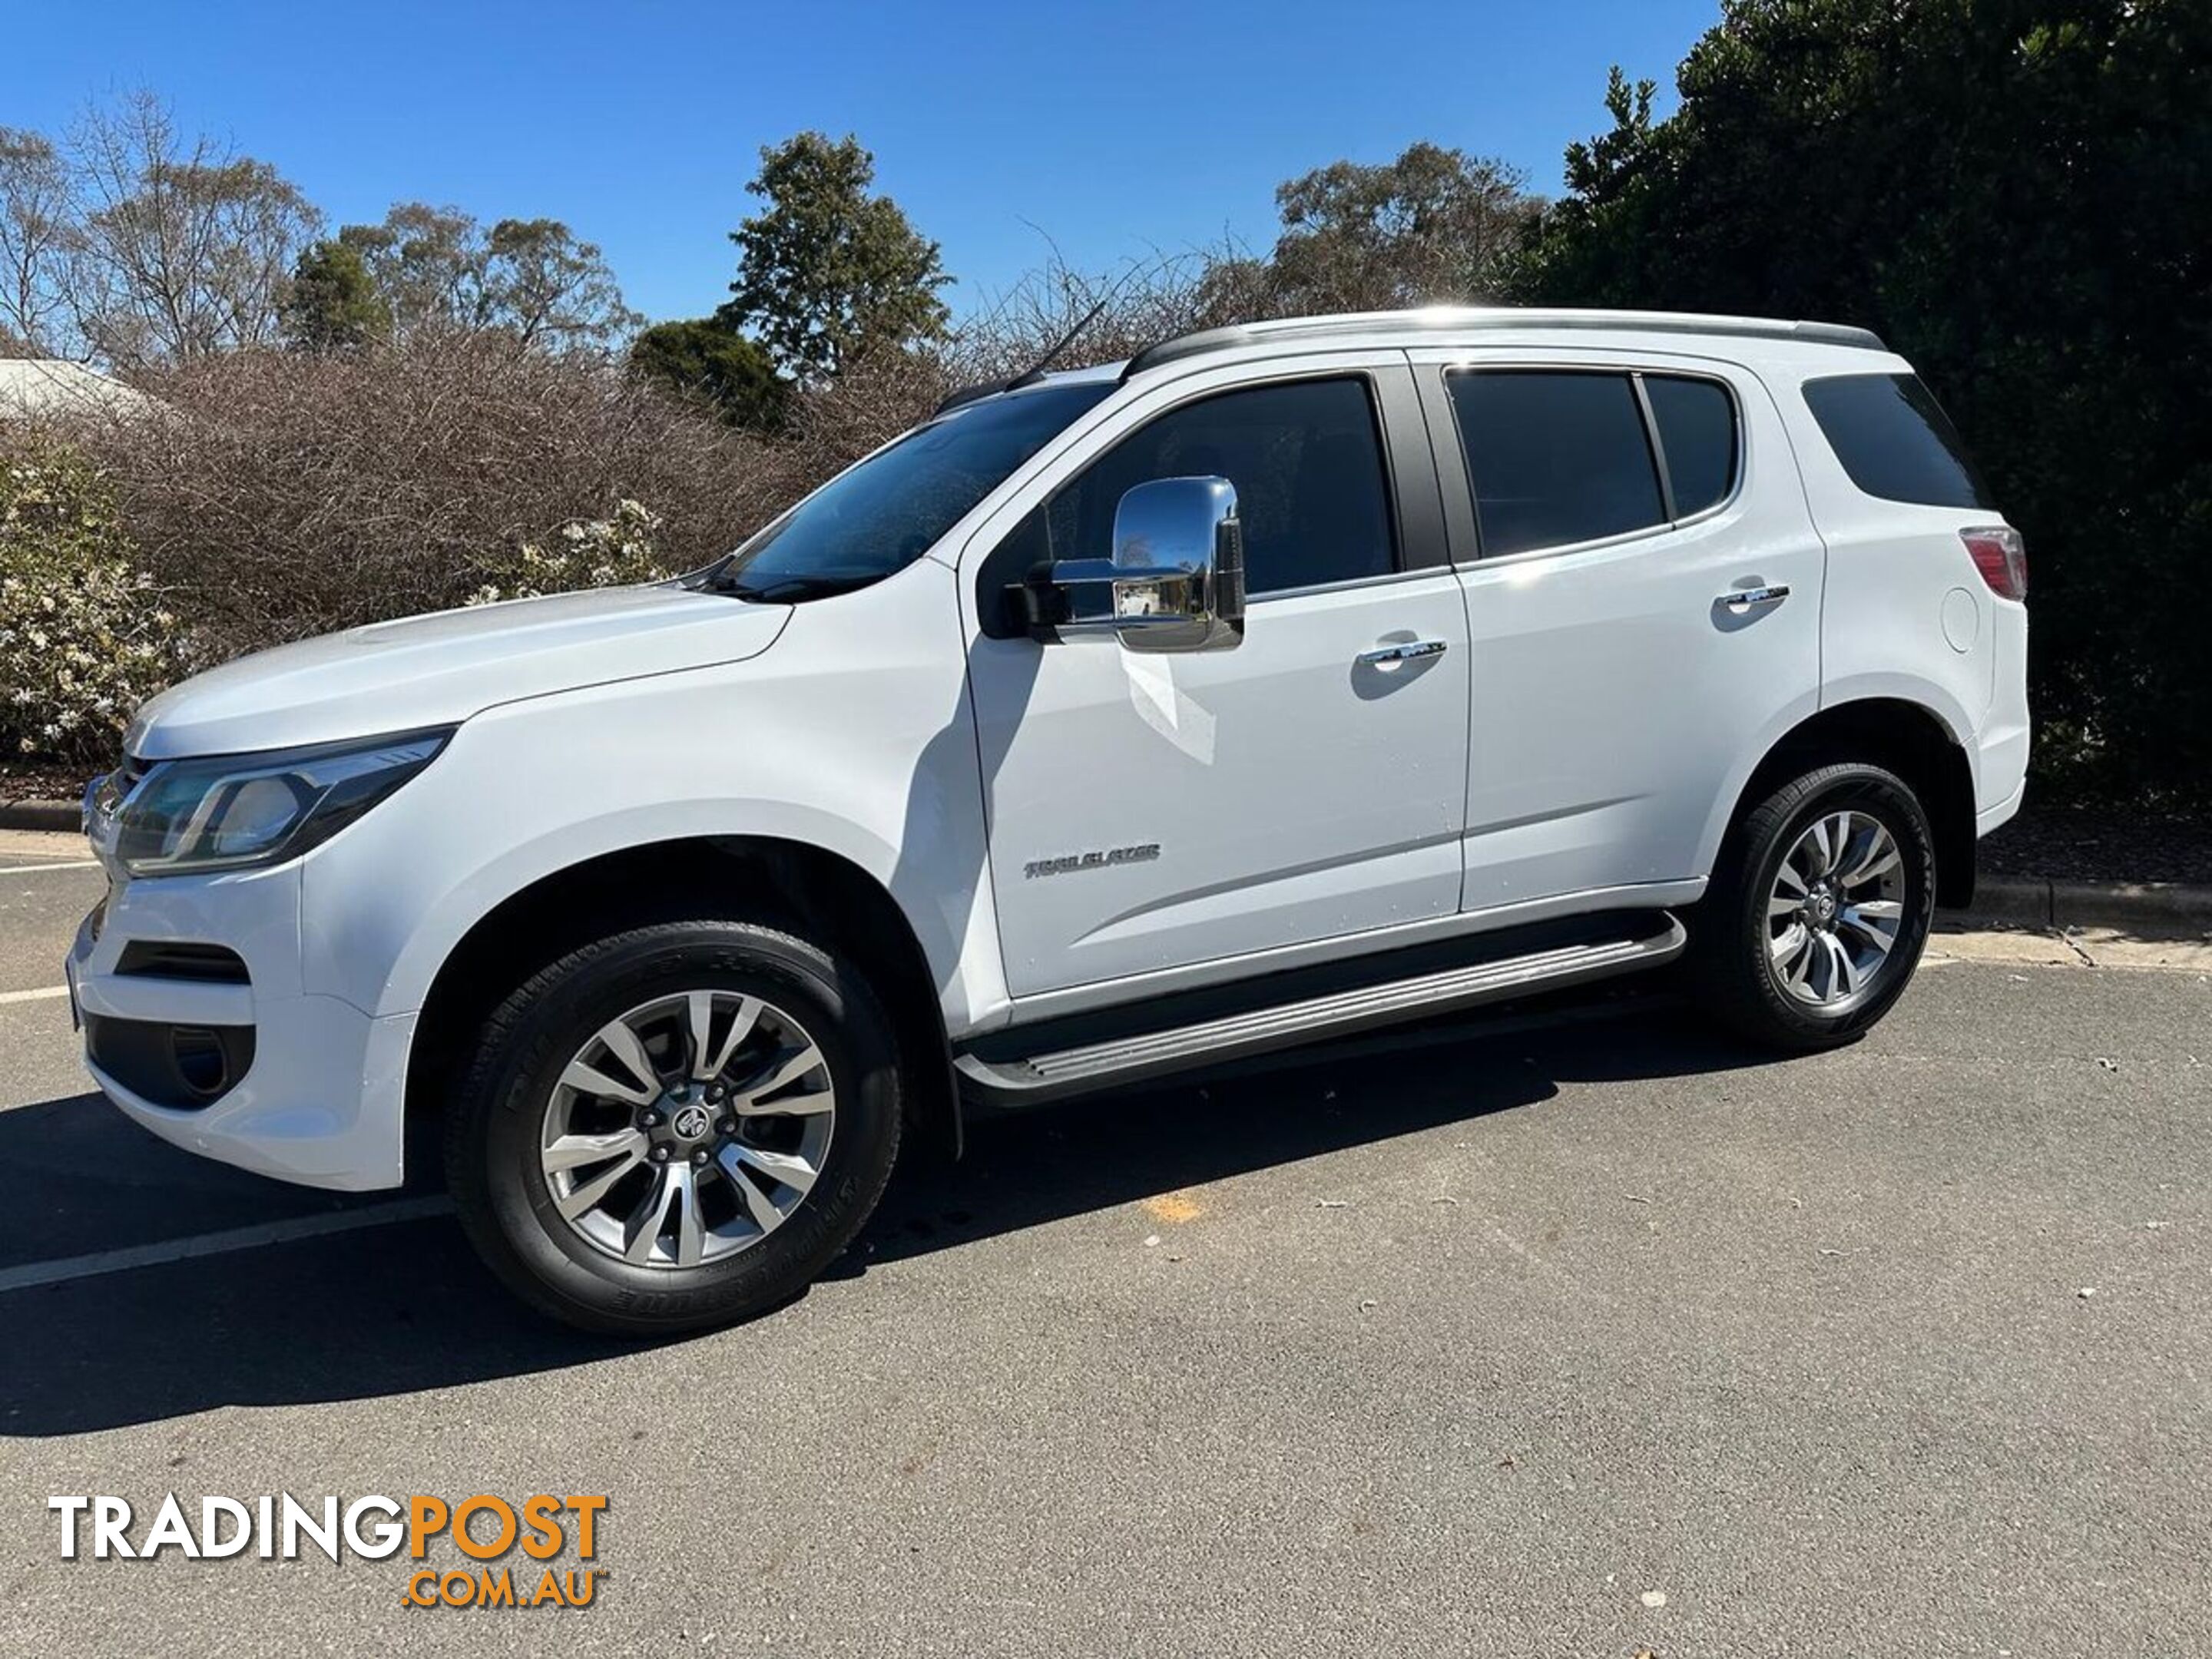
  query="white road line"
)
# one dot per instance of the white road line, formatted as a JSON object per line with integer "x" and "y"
{"x": 41, "y": 995}
{"x": 237, "y": 1238}
{"x": 33, "y": 869}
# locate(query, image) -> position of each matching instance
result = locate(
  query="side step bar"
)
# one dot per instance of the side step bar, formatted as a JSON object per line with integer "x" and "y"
{"x": 1130, "y": 1059}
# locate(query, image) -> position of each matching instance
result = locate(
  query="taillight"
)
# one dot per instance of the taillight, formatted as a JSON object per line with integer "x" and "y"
{"x": 2001, "y": 558}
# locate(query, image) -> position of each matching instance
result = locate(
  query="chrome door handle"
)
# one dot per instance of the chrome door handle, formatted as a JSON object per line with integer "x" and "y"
{"x": 1387, "y": 656}
{"x": 1740, "y": 601}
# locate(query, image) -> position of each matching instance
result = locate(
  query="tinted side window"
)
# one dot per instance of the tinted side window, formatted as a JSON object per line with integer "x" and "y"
{"x": 1556, "y": 456}
{"x": 1307, "y": 462}
{"x": 1697, "y": 432}
{"x": 1894, "y": 440}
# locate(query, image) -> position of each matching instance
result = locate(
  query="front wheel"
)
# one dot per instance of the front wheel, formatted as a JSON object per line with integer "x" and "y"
{"x": 675, "y": 1127}
{"x": 1821, "y": 908}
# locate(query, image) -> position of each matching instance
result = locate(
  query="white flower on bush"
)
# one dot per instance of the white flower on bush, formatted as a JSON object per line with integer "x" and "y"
{"x": 616, "y": 551}
{"x": 82, "y": 642}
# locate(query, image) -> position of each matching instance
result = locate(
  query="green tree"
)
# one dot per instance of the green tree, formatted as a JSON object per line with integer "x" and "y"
{"x": 1597, "y": 238}
{"x": 423, "y": 261}
{"x": 2018, "y": 195}
{"x": 333, "y": 304}
{"x": 829, "y": 270}
{"x": 706, "y": 359}
{"x": 1434, "y": 225}
{"x": 438, "y": 271}
{"x": 539, "y": 282}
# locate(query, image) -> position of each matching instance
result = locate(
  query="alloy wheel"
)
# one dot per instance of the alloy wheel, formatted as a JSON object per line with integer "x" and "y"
{"x": 688, "y": 1129}
{"x": 1836, "y": 910}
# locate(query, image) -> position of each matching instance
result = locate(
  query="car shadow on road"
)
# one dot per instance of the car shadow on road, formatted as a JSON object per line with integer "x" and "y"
{"x": 1023, "y": 1168}
{"x": 399, "y": 1308}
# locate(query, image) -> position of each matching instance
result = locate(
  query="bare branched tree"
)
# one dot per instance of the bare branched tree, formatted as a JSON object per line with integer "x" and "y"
{"x": 39, "y": 240}
{"x": 185, "y": 244}
{"x": 1102, "y": 316}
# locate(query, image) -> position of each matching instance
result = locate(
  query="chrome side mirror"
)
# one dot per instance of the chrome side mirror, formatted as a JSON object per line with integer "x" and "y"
{"x": 1176, "y": 581}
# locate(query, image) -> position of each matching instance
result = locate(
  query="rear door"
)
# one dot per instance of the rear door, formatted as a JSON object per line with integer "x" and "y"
{"x": 1643, "y": 592}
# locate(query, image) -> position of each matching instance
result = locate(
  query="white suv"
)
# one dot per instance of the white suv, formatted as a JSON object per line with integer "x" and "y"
{"x": 1284, "y": 680}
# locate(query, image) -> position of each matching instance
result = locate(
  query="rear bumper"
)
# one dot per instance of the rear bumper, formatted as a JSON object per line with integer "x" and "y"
{"x": 1991, "y": 817}
{"x": 2001, "y": 745}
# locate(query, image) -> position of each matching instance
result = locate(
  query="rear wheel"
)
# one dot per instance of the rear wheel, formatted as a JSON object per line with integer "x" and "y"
{"x": 675, "y": 1127}
{"x": 1820, "y": 909}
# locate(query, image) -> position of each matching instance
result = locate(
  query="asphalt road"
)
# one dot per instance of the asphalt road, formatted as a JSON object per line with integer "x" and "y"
{"x": 1579, "y": 1334}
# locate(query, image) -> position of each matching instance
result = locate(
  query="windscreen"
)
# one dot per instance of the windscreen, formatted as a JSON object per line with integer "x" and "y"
{"x": 884, "y": 513}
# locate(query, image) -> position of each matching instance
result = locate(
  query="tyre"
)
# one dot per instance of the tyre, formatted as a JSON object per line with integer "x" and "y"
{"x": 675, "y": 1127}
{"x": 1820, "y": 909}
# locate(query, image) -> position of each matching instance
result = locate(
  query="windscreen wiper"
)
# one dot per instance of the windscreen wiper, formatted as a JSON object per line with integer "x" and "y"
{"x": 783, "y": 590}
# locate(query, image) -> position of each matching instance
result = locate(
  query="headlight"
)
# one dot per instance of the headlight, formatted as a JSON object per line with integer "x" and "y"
{"x": 234, "y": 811}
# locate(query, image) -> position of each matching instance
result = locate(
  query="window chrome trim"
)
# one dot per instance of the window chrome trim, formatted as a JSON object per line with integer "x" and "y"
{"x": 1739, "y": 472}
{"x": 1561, "y": 549}
{"x": 1388, "y": 578}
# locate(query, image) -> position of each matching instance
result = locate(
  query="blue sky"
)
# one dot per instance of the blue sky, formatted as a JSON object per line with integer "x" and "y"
{"x": 1112, "y": 128}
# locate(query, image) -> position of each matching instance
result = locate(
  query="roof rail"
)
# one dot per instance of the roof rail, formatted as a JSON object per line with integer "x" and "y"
{"x": 1462, "y": 318}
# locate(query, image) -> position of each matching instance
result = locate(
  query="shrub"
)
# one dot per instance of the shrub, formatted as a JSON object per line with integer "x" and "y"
{"x": 84, "y": 634}
{"x": 277, "y": 496}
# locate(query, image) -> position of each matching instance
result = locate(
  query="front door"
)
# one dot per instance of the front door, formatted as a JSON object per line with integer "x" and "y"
{"x": 1150, "y": 812}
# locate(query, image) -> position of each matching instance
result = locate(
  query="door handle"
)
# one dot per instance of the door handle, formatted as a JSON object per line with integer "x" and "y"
{"x": 1388, "y": 657}
{"x": 1740, "y": 601}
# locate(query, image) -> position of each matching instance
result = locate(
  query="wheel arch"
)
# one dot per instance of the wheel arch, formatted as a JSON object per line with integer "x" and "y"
{"x": 803, "y": 888}
{"x": 1901, "y": 735}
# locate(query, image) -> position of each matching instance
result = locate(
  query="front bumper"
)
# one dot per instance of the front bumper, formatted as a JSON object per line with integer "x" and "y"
{"x": 321, "y": 1099}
